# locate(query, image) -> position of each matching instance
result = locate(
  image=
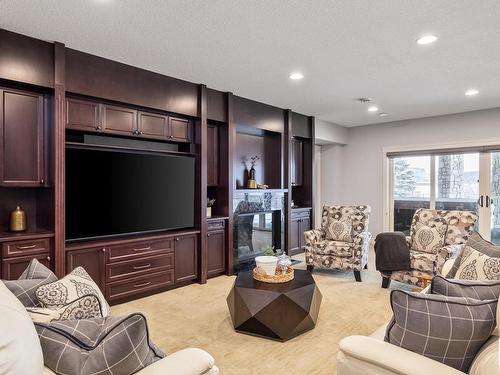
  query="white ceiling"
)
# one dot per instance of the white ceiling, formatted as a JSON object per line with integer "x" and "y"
{"x": 345, "y": 48}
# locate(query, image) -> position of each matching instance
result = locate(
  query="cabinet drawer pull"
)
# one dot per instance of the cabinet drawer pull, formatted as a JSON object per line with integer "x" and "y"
{"x": 142, "y": 267}
{"x": 27, "y": 247}
{"x": 48, "y": 259}
{"x": 143, "y": 248}
{"x": 143, "y": 284}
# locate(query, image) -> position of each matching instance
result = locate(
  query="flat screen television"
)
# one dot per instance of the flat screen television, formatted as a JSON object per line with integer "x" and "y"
{"x": 112, "y": 192}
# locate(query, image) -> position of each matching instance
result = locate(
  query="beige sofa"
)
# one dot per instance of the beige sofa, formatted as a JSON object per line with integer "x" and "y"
{"x": 21, "y": 354}
{"x": 366, "y": 355}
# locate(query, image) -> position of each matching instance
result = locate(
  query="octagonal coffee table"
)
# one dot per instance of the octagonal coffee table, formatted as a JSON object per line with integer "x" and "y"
{"x": 275, "y": 311}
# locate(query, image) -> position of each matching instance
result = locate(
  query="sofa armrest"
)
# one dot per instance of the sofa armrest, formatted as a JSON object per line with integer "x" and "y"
{"x": 361, "y": 355}
{"x": 190, "y": 361}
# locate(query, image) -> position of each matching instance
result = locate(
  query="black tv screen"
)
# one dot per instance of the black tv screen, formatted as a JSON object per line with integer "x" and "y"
{"x": 110, "y": 192}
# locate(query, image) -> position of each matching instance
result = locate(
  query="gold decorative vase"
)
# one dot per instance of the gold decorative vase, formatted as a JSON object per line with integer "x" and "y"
{"x": 17, "y": 220}
{"x": 251, "y": 184}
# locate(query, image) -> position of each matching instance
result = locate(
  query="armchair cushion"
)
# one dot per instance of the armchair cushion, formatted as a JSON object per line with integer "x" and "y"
{"x": 336, "y": 248}
{"x": 428, "y": 238}
{"x": 422, "y": 261}
{"x": 460, "y": 223}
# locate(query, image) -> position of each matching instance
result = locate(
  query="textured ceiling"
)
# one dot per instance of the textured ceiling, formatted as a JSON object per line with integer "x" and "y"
{"x": 346, "y": 49}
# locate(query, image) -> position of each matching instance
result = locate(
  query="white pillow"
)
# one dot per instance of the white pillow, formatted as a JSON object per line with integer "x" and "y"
{"x": 70, "y": 288}
{"x": 21, "y": 353}
{"x": 475, "y": 265}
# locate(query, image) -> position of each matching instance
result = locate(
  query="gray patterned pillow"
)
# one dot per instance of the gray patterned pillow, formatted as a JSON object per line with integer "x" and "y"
{"x": 70, "y": 288}
{"x": 474, "y": 243}
{"x": 450, "y": 330}
{"x": 34, "y": 276}
{"x": 112, "y": 345}
{"x": 428, "y": 238}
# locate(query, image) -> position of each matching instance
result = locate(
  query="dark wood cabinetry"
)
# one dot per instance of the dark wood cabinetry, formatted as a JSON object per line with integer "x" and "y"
{"x": 216, "y": 247}
{"x": 296, "y": 161}
{"x": 127, "y": 268}
{"x": 22, "y": 148}
{"x": 119, "y": 120}
{"x": 152, "y": 125}
{"x": 186, "y": 262}
{"x": 91, "y": 116}
{"x": 180, "y": 129}
{"x": 92, "y": 259}
{"x": 83, "y": 115}
{"x": 212, "y": 155}
{"x": 16, "y": 254}
{"x": 300, "y": 223}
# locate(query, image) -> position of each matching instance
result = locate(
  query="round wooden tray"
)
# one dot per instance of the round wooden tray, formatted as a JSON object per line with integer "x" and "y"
{"x": 276, "y": 279}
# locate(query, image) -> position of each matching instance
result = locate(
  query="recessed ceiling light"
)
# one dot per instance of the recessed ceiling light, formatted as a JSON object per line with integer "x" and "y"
{"x": 472, "y": 92}
{"x": 383, "y": 114}
{"x": 372, "y": 108}
{"x": 427, "y": 39}
{"x": 296, "y": 76}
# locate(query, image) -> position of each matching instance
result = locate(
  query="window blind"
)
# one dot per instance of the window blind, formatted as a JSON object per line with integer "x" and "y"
{"x": 444, "y": 151}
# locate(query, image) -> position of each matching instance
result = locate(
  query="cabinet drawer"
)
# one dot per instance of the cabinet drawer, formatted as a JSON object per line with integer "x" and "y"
{"x": 26, "y": 247}
{"x": 138, "y": 267}
{"x": 12, "y": 268}
{"x": 117, "y": 253}
{"x": 215, "y": 224}
{"x": 122, "y": 289}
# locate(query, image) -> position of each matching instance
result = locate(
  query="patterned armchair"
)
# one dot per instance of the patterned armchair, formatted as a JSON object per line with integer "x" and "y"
{"x": 342, "y": 241}
{"x": 435, "y": 235}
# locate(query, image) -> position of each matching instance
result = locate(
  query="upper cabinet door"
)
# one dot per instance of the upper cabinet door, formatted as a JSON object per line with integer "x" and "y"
{"x": 82, "y": 115}
{"x": 119, "y": 120}
{"x": 180, "y": 130}
{"x": 152, "y": 125}
{"x": 22, "y": 139}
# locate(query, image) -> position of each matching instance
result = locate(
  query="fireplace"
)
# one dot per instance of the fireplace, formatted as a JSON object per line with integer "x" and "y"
{"x": 257, "y": 224}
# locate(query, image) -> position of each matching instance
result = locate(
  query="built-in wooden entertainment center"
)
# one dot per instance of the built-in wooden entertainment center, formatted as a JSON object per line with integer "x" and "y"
{"x": 53, "y": 96}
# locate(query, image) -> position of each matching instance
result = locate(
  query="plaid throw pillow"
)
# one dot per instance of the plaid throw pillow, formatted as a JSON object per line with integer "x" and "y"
{"x": 69, "y": 289}
{"x": 450, "y": 330}
{"x": 34, "y": 276}
{"x": 112, "y": 345}
{"x": 477, "y": 289}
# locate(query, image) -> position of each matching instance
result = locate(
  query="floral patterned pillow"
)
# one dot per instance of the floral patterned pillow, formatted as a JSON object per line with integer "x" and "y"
{"x": 428, "y": 238}
{"x": 69, "y": 289}
{"x": 339, "y": 230}
{"x": 86, "y": 307}
{"x": 475, "y": 265}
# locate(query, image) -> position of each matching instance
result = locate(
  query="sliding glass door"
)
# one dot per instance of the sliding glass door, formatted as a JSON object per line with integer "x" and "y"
{"x": 459, "y": 181}
{"x": 491, "y": 200}
{"x": 411, "y": 189}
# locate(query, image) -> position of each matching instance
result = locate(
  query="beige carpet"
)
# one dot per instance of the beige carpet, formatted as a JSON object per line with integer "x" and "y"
{"x": 197, "y": 316}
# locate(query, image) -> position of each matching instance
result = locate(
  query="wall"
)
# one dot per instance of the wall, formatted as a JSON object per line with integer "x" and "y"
{"x": 327, "y": 133}
{"x": 353, "y": 173}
